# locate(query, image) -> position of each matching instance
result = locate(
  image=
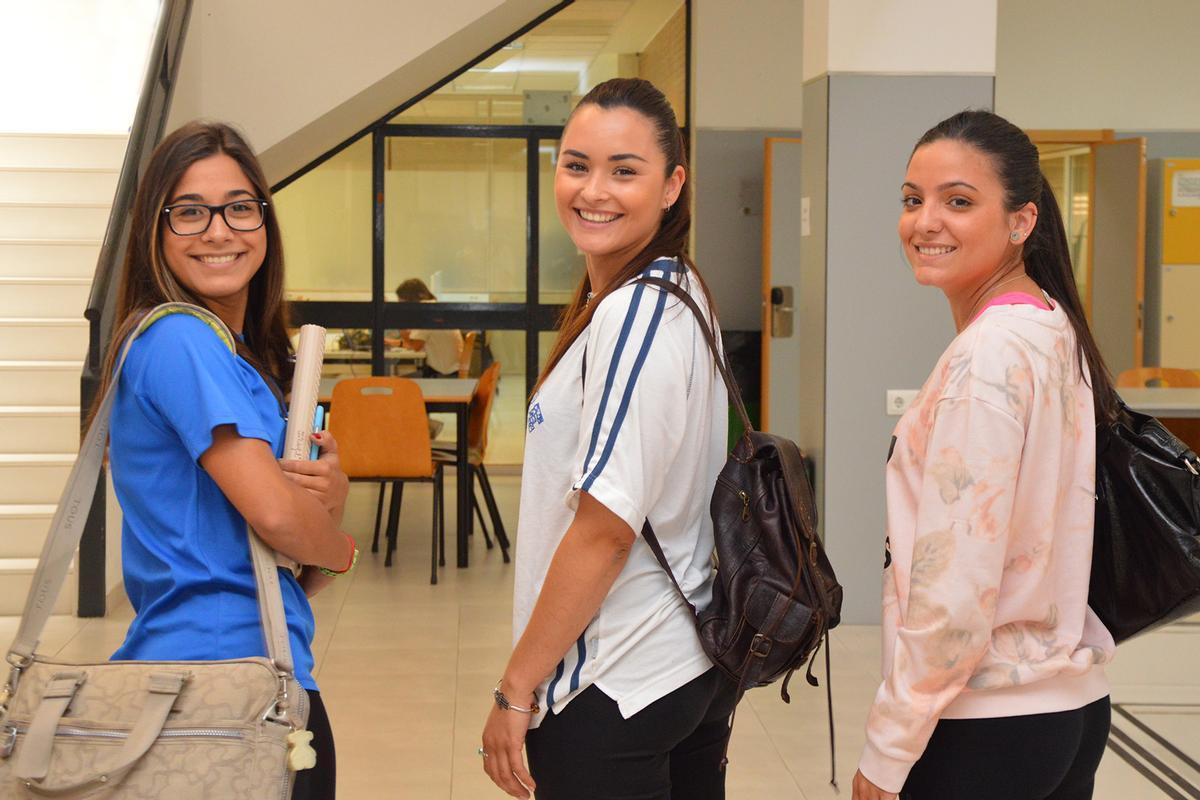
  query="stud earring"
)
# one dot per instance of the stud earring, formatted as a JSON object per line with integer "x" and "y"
{"x": 667, "y": 210}
{"x": 1015, "y": 236}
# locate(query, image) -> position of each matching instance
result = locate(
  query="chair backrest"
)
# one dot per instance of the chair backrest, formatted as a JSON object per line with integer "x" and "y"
{"x": 1160, "y": 376}
{"x": 464, "y": 355}
{"x": 382, "y": 428}
{"x": 481, "y": 408}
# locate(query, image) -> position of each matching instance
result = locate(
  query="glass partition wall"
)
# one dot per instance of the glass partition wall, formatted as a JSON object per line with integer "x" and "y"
{"x": 456, "y": 189}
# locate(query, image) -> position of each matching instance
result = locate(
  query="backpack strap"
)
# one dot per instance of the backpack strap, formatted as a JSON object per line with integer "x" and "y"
{"x": 721, "y": 360}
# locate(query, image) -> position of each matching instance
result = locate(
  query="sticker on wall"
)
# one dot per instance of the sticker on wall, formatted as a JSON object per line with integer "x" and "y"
{"x": 1185, "y": 188}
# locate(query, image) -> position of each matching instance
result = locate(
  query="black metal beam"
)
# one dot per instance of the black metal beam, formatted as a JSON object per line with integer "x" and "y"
{"x": 463, "y": 316}
{"x": 378, "y": 164}
{"x": 532, "y": 243}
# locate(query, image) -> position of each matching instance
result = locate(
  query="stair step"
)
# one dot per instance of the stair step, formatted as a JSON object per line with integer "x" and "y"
{"x": 87, "y": 151}
{"x": 39, "y": 429}
{"x": 71, "y": 258}
{"x": 23, "y": 528}
{"x": 44, "y": 338}
{"x": 43, "y": 297}
{"x": 34, "y": 478}
{"x": 78, "y": 221}
{"x": 16, "y": 579}
{"x": 39, "y": 382}
{"x": 57, "y": 185}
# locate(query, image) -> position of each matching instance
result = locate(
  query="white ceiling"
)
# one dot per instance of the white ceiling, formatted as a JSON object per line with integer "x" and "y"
{"x": 554, "y": 56}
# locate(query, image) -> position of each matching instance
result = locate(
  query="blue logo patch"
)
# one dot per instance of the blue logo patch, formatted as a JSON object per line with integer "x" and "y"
{"x": 535, "y": 416}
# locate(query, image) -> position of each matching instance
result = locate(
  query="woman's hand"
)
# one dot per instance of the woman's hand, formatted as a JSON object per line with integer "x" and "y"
{"x": 323, "y": 477}
{"x": 312, "y": 580}
{"x": 865, "y": 790}
{"x": 504, "y": 743}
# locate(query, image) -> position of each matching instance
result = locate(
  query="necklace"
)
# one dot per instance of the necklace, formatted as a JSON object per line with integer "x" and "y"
{"x": 992, "y": 292}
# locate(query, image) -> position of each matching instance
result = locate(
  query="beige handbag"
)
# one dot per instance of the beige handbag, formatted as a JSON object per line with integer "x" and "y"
{"x": 182, "y": 730}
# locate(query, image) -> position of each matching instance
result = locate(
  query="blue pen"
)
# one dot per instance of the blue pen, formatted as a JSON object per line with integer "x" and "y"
{"x": 318, "y": 424}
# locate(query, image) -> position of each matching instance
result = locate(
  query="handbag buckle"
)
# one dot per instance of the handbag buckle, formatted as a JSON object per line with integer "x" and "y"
{"x": 8, "y": 742}
{"x": 760, "y": 646}
{"x": 278, "y": 710}
{"x": 1191, "y": 467}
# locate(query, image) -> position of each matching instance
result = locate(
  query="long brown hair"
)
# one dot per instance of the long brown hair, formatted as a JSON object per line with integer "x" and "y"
{"x": 1046, "y": 253}
{"x": 146, "y": 280}
{"x": 671, "y": 240}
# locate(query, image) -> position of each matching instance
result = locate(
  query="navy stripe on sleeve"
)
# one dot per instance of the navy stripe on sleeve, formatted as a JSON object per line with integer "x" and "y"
{"x": 626, "y": 327}
{"x": 628, "y": 395}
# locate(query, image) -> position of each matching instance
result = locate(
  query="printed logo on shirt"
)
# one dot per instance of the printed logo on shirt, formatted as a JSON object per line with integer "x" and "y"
{"x": 535, "y": 416}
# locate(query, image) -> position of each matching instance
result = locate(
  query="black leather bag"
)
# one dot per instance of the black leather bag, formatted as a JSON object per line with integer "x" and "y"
{"x": 1146, "y": 554}
{"x": 775, "y": 596}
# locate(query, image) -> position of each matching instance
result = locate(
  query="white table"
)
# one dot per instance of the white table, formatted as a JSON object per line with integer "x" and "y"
{"x": 1164, "y": 402}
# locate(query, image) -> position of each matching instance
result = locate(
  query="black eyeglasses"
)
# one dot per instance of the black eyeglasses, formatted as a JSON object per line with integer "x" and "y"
{"x": 193, "y": 219}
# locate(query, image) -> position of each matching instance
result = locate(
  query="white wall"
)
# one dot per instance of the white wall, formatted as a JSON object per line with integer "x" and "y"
{"x": 893, "y": 37}
{"x": 73, "y": 66}
{"x": 746, "y": 63}
{"x": 1099, "y": 64}
{"x": 301, "y": 76}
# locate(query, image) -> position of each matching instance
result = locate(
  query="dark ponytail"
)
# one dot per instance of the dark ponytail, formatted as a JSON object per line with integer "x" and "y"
{"x": 671, "y": 239}
{"x": 1046, "y": 254}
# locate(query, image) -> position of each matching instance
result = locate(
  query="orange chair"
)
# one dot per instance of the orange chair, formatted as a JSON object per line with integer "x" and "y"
{"x": 382, "y": 431}
{"x": 465, "y": 354}
{"x": 478, "y": 416}
{"x": 1158, "y": 376}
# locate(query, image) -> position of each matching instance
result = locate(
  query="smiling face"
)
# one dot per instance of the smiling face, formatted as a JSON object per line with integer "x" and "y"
{"x": 955, "y": 227}
{"x": 611, "y": 186}
{"x": 216, "y": 265}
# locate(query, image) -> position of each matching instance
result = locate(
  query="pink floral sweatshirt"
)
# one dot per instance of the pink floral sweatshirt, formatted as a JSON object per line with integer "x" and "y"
{"x": 990, "y": 503}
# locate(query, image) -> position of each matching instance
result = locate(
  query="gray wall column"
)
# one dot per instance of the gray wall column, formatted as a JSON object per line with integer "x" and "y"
{"x": 878, "y": 329}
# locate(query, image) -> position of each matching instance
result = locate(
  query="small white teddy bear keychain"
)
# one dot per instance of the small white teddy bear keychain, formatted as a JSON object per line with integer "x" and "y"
{"x": 300, "y": 751}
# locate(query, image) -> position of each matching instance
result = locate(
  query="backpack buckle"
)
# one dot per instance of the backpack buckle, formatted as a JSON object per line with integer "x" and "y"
{"x": 760, "y": 646}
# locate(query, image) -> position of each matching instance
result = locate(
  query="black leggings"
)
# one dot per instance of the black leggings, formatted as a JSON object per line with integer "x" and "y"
{"x": 1032, "y": 757}
{"x": 670, "y": 749}
{"x": 320, "y": 782}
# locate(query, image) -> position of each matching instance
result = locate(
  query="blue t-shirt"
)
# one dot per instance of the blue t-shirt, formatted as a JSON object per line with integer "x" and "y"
{"x": 186, "y": 555}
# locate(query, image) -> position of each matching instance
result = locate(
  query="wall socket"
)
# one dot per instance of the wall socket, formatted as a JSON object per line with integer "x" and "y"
{"x": 898, "y": 401}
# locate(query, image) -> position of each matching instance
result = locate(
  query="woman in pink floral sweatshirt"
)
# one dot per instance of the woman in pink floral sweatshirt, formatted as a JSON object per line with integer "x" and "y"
{"x": 993, "y": 679}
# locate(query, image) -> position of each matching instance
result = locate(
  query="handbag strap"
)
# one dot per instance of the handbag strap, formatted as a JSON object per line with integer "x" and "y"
{"x": 71, "y": 515}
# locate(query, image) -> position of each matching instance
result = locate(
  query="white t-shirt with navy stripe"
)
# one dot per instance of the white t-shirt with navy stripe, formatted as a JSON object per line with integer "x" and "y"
{"x": 645, "y": 433}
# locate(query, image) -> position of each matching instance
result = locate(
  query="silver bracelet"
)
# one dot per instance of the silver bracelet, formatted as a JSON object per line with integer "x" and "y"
{"x": 503, "y": 703}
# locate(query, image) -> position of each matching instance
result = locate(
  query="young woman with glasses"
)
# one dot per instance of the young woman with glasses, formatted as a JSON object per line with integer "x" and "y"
{"x": 608, "y": 690}
{"x": 197, "y": 430}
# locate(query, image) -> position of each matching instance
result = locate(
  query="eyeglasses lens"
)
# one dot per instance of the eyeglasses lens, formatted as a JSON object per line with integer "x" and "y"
{"x": 188, "y": 220}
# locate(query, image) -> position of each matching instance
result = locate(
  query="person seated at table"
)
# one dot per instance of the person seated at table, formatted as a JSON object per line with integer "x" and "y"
{"x": 442, "y": 347}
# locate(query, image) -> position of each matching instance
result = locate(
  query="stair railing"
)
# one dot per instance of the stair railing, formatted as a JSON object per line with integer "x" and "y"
{"x": 149, "y": 122}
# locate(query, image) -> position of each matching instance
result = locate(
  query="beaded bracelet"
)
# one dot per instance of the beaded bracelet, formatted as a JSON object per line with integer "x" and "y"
{"x": 333, "y": 573}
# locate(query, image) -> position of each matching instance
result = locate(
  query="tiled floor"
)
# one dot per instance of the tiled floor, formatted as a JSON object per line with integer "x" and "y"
{"x": 406, "y": 669}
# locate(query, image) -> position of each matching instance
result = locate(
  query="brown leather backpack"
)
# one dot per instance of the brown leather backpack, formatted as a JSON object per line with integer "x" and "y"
{"x": 775, "y": 596}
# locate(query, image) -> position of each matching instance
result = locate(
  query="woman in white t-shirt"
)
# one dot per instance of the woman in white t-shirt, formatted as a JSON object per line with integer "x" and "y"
{"x": 442, "y": 346}
{"x": 608, "y": 687}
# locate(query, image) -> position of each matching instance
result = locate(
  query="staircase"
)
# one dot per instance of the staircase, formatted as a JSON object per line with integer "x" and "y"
{"x": 55, "y": 195}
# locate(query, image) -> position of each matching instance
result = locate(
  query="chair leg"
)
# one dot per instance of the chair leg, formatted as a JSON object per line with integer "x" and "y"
{"x": 479, "y": 516}
{"x": 393, "y": 520}
{"x": 441, "y": 515}
{"x": 493, "y": 510}
{"x": 433, "y": 540}
{"x": 378, "y": 517}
